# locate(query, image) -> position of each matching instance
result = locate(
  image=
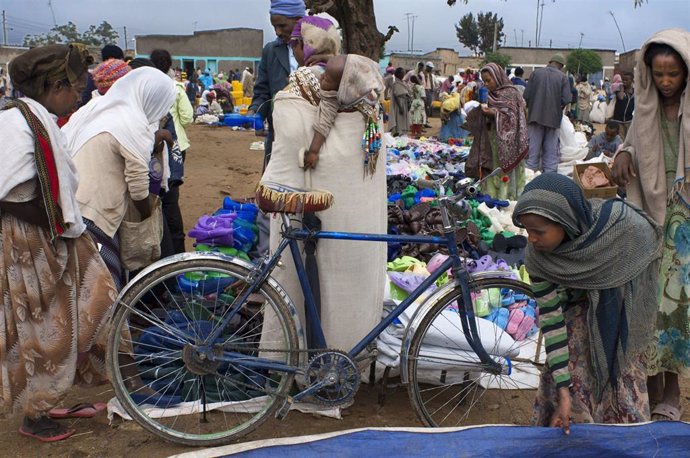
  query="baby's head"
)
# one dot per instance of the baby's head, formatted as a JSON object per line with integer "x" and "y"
{"x": 330, "y": 79}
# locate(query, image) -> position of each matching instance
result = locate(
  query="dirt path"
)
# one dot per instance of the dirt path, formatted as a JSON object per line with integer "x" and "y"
{"x": 219, "y": 162}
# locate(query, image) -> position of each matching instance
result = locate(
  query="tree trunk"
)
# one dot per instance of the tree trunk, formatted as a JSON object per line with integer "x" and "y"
{"x": 358, "y": 24}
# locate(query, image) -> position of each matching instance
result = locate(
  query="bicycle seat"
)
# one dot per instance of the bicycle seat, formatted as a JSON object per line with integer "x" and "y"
{"x": 274, "y": 197}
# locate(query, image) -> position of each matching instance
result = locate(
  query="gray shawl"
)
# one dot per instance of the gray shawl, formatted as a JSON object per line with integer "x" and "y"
{"x": 613, "y": 253}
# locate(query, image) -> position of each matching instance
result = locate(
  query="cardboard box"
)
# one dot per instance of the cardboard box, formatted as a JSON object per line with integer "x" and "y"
{"x": 607, "y": 192}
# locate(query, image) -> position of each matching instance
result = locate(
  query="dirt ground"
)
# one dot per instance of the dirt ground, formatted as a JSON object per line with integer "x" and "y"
{"x": 218, "y": 163}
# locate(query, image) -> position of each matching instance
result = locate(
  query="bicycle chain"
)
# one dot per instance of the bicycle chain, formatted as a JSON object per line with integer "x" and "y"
{"x": 302, "y": 369}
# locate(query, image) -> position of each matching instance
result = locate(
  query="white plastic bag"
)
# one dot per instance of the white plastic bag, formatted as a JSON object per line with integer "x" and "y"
{"x": 598, "y": 112}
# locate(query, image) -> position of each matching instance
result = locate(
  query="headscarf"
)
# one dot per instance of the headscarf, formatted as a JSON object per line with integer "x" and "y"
{"x": 511, "y": 124}
{"x": 613, "y": 253}
{"x": 33, "y": 71}
{"x": 318, "y": 35}
{"x": 360, "y": 88}
{"x": 130, "y": 112}
{"x": 617, "y": 82}
{"x": 203, "y": 100}
{"x": 289, "y": 8}
{"x": 105, "y": 75}
{"x": 644, "y": 140}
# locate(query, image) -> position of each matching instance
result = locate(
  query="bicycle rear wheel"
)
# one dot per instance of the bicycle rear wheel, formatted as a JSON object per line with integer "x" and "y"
{"x": 163, "y": 369}
{"x": 448, "y": 384}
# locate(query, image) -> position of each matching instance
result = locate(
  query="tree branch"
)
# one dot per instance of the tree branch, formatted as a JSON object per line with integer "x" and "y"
{"x": 319, "y": 6}
{"x": 391, "y": 30}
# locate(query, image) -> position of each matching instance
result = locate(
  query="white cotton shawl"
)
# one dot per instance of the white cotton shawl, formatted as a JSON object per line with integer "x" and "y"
{"x": 19, "y": 166}
{"x": 129, "y": 111}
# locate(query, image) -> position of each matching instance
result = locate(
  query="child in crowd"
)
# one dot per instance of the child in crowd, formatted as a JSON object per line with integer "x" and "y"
{"x": 606, "y": 142}
{"x": 417, "y": 107}
{"x": 594, "y": 268}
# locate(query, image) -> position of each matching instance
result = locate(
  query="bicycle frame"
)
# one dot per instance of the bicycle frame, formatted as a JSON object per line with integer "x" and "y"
{"x": 291, "y": 237}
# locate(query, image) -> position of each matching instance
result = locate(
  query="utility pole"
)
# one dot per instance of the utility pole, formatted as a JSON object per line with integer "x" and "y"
{"x": 409, "y": 47}
{"x": 522, "y": 38}
{"x": 541, "y": 19}
{"x": 52, "y": 11}
{"x": 413, "y": 18}
{"x": 493, "y": 49}
{"x": 536, "y": 26}
{"x": 4, "y": 28}
{"x": 125, "y": 27}
{"x": 515, "y": 32}
{"x": 619, "y": 29}
{"x": 582, "y": 35}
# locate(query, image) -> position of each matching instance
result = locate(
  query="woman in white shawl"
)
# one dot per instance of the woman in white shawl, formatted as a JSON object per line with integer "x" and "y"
{"x": 351, "y": 273}
{"x": 55, "y": 291}
{"x": 112, "y": 138}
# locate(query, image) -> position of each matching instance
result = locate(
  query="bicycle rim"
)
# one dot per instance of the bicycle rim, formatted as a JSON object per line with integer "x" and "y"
{"x": 163, "y": 383}
{"x": 449, "y": 386}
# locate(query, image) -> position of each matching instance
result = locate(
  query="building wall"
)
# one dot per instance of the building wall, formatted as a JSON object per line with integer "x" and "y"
{"x": 409, "y": 61}
{"x": 532, "y": 58}
{"x": 7, "y": 53}
{"x": 446, "y": 61}
{"x": 220, "y": 50}
{"x": 627, "y": 60}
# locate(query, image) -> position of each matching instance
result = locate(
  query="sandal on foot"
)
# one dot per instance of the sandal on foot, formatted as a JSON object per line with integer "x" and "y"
{"x": 667, "y": 412}
{"x": 45, "y": 430}
{"x": 81, "y": 410}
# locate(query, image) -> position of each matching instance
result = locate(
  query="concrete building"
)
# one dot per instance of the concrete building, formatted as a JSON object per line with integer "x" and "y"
{"x": 627, "y": 60}
{"x": 7, "y": 53}
{"x": 216, "y": 50}
{"x": 446, "y": 61}
{"x": 532, "y": 58}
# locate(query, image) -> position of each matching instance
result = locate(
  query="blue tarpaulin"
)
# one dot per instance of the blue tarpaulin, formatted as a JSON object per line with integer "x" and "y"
{"x": 657, "y": 439}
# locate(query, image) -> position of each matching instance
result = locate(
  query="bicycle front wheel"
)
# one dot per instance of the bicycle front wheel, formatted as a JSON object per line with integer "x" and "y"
{"x": 449, "y": 386}
{"x": 167, "y": 374}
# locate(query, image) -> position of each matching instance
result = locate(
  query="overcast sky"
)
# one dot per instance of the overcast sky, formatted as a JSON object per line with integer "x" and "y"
{"x": 563, "y": 20}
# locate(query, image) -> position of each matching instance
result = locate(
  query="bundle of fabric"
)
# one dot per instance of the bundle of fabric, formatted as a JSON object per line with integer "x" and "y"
{"x": 230, "y": 230}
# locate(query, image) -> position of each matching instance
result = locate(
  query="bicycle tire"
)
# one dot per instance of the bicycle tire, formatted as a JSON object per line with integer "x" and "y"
{"x": 148, "y": 383}
{"x": 449, "y": 386}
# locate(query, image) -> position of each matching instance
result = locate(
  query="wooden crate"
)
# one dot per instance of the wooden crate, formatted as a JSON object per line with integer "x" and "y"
{"x": 607, "y": 192}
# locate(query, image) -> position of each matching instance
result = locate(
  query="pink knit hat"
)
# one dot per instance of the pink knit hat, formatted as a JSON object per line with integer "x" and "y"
{"x": 108, "y": 72}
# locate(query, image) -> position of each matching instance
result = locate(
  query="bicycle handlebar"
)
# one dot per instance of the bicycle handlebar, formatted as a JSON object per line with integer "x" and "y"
{"x": 455, "y": 205}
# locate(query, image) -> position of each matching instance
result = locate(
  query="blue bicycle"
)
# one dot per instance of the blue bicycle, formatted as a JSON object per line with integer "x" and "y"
{"x": 192, "y": 359}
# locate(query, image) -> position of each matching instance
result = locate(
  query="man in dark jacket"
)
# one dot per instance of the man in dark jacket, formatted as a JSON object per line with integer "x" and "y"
{"x": 547, "y": 92}
{"x": 277, "y": 62}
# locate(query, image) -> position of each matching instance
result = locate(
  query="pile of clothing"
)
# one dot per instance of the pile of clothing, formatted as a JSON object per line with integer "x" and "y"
{"x": 231, "y": 230}
{"x": 423, "y": 158}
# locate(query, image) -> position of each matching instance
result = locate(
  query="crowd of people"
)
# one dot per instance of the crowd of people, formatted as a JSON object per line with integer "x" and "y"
{"x": 85, "y": 153}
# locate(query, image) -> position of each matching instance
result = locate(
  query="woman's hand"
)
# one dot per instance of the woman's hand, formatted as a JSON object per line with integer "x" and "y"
{"x": 162, "y": 136}
{"x": 317, "y": 59}
{"x": 623, "y": 170}
{"x": 488, "y": 111}
{"x": 311, "y": 158}
{"x": 561, "y": 417}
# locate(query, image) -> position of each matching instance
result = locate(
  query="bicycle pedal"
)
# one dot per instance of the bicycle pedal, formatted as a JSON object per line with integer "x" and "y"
{"x": 283, "y": 411}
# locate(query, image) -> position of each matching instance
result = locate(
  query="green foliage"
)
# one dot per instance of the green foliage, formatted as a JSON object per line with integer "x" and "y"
{"x": 497, "y": 58}
{"x": 583, "y": 62}
{"x": 486, "y": 22}
{"x": 477, "y": 34}
{"x": 95, "y": 36}
{"x": 467, "y": 32}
